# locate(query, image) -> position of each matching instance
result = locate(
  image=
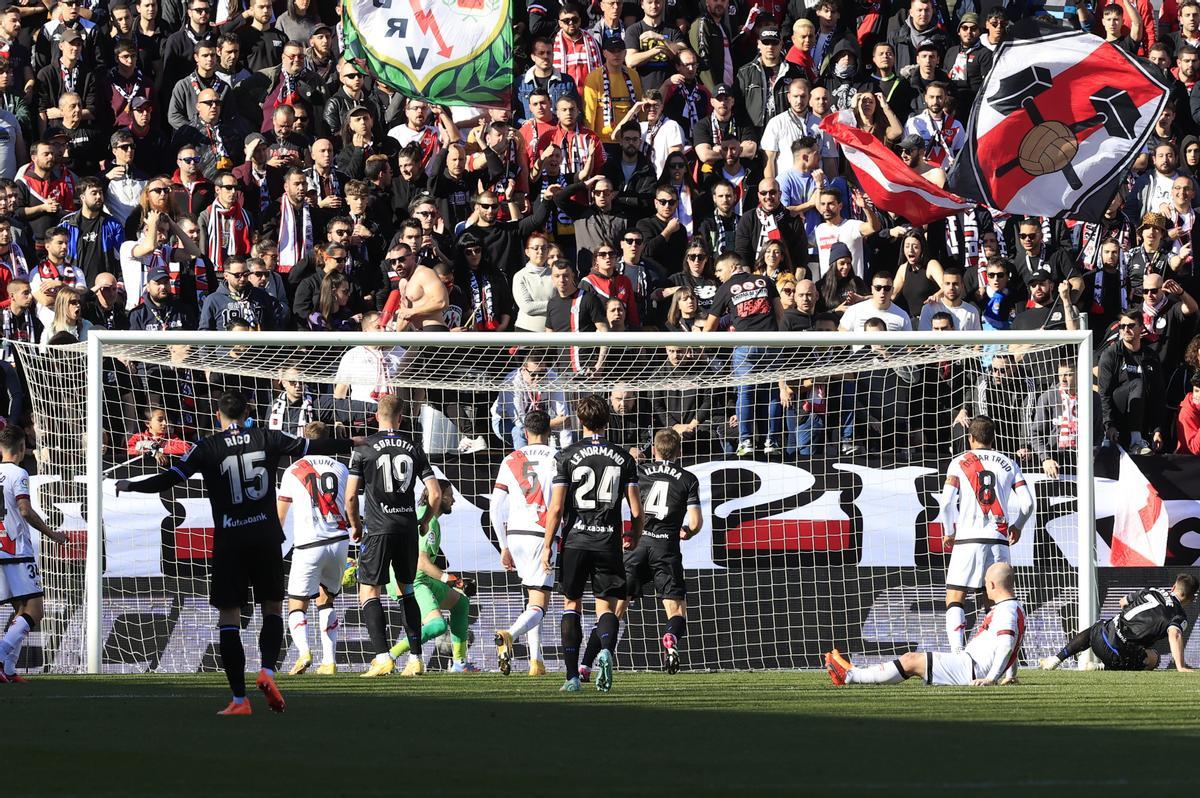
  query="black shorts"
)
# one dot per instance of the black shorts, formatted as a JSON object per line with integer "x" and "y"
{"x": 236, "y": 569}
{"x": 660, "y": 563}
{"x": 604, "y": 568}
{"x": 1115, "y": 655}
{"x": 379, "y": 553}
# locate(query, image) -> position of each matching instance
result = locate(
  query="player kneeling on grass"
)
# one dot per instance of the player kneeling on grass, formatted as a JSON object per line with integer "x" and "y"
{"x": 316, "y": 485}
{"x": 990, "y": 658}
{"x": 1124, "y": 643}
{"x": 437, "y": 589}
{"x": 669, "y": 494}
{"x": 518, "y": 511}
{"x": 20, "y": 577}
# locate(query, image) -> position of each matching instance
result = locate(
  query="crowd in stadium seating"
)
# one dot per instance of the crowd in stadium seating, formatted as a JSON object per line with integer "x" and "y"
{"x": 185, "y": 165}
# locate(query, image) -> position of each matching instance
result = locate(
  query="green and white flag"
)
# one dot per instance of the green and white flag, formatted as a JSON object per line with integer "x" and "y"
{"x": 449, "y": 52}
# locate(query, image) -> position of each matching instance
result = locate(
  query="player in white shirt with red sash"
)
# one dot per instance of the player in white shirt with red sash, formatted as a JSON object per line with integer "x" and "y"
{"x": 991, "y": 657}
{"x": 316, "y": 486}
{"x": 982, "y": 486}
{"x": 20, "y": 576}
{"x": 518, "y": 511}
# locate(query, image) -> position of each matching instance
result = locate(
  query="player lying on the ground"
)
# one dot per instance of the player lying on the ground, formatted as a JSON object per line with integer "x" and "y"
{"x": 316, "y": 486}
{"x": 1124, "y": 643}
{"x": 389, "y": 463}
{"x": 239, "y": 465}
{"x": 437, "y": 589}
{"x": 990, "y": 658}
{"x": 976, "y": 507}
{"x": 669, "y": 494}
{"x": 518, "y": 512}
{"x": 592, "y": 478}
{"x": 20, "y": 577}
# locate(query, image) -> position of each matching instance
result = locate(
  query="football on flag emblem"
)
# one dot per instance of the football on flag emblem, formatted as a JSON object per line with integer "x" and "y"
{"x": 1051, "y": 145}
{"x": 1061, "y": 116}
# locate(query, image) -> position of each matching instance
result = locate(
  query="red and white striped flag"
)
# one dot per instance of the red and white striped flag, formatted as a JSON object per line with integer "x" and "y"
{"x": 1140, "y": 523}
{"x": 886, "y": 179}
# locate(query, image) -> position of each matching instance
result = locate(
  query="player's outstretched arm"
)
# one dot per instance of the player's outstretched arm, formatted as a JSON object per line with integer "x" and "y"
{"x": 35, "y": 520}
{"x": 1175, "y": 639}
{"x": 163, "y": 480}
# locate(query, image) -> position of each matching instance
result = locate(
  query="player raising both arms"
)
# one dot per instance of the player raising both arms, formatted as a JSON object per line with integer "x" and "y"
{"x": 316, "y": 485}
{"x": 389, "y": 462}
{"x": 981, "y": 487}
{"x": 437, "y": 589}
{"x": 669, "y": 493}
{"x": 590, "y": 478}
{"x": 20, "y": 577}
{"x": 990, "y": 658}
{"x": 518, "y": 512}
{"x": 1124, "y": 643}
{"x": 239, "y": 465}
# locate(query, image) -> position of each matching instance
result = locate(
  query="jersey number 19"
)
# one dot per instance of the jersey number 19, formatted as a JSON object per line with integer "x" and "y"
{"x": 397, "y": 472}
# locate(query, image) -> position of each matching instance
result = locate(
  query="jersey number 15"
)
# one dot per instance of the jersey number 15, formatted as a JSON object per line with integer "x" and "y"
{"x": 247, "y": 477}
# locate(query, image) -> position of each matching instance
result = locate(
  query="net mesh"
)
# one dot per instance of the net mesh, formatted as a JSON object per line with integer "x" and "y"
{"x": 819, "y": 468}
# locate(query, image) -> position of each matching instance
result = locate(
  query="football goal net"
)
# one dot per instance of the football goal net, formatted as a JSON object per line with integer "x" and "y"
{"x": 819, "y": 456}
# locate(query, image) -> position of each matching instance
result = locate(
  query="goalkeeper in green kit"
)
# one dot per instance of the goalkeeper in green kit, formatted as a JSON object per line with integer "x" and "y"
{"x": 436, "y": 590}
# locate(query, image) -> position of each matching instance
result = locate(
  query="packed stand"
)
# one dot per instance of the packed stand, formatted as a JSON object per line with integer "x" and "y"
{"x": 188, "y": 166}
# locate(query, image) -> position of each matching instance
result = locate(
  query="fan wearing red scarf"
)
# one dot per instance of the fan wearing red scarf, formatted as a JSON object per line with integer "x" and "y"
{"x": 225, "y": 225}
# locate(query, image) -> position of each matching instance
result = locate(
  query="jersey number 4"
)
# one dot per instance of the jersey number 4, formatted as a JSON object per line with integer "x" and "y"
{"x": 247, "y": 476}
{"x": 588, "y": 493}
{"x": 655, "y": 501}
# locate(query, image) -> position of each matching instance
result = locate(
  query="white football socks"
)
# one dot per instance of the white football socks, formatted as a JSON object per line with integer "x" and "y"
{"x": 329, "y": 633}
{"x": 10, "y": 644}
{"x": 956, "y": 627}
{"x": 298, "y": 626}
{"x": 526, "y": 621}
{"x": 883, "y": 673}
{"x": 534, "y": 641}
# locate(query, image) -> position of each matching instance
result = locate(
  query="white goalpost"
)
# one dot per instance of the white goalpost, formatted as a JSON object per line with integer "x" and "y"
{"x": 824, "y": 531}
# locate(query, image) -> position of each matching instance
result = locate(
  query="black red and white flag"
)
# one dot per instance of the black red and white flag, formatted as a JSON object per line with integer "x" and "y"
{"x": 886, "y": 179}
{"x": 1058, "y": 122}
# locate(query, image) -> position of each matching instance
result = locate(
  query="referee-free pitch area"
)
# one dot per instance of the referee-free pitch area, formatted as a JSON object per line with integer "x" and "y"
{"x": 744, "y": 734}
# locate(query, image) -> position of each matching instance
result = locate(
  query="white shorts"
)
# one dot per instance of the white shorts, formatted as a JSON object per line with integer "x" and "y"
{"x": 527, "y": 556}
{"x": 315, "y": 567}
{"x": 956, "y": 670}
{"x": 19, "y": 580}
{"x": 970, "y": 561}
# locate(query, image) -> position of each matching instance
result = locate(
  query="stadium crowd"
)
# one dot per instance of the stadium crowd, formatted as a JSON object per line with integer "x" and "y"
{"x": 181, "y": 165}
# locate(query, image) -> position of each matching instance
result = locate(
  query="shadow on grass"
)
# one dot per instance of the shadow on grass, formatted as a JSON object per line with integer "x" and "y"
{"x": 132, "y": 737}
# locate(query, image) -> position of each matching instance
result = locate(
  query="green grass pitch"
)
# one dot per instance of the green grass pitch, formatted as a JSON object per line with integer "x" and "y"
{"x": 698, "y": 734}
